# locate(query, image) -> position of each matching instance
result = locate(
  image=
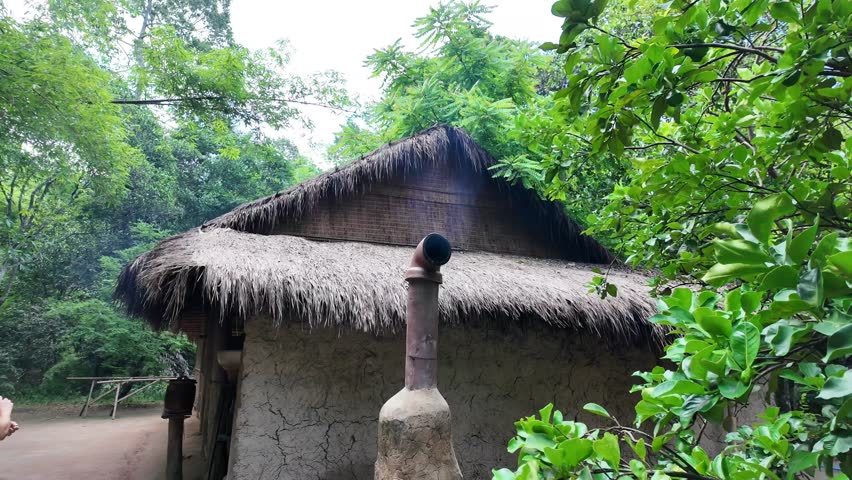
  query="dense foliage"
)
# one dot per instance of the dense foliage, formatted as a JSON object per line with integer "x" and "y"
{"x": 500, "y": 90}
{"x": 735, "y": 116}
{"x": 463, "y": 75}
{"x": 105, "y": 149}
{"x": 705, "y": 139}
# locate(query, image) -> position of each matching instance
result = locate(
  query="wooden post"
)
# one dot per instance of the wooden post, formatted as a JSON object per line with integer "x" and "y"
{"x": 85, "y": 411}
{"x": 174, "y": 449}
{"x": 115, "y": 404}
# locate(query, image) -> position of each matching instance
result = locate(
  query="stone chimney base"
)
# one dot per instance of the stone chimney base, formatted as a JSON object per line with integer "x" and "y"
{"x": 415, "y": 442}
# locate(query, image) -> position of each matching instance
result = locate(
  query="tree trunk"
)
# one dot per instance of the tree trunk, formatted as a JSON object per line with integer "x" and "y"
{"x": 138, "y": 42}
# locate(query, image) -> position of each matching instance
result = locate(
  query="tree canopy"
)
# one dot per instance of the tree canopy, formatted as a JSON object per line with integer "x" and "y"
{"x": 734, "y": 118}
{"x": 121, "y": 123}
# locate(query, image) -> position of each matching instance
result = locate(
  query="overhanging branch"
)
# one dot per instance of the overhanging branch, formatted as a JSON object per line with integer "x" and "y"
{"x": 161, "y": 102}
{"x": 760, "y": 51}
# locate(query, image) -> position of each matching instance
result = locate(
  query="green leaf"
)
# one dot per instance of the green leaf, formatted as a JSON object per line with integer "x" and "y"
{"x": 835, "y": 286}
{"x": 833, "y": 323}
{"x": 674, "y": 316}
{"x": 781, "y": 336}
{"x": 784, "y": 11}
{"x": 739, "y": 251}
{"x": 514, "y": 445}
{"x": 680, "y": 297}
{"x": 596, "y": 409}
{"x": 787, "y": 303}
{"x": 810, "y": 369}
{"x": 638, "y": 469}
{"x": 839, "y": 344}
{"x": 554, "y": 456}
{"x": 707, "y": 299}
{"x": 538, "y": 441}
{"x": 733, "y": 300}
{"x": 675, "y": 99}
{"x": 646, "y": 409}
{"x": 545, "y": 412}
{"x": 660, "y": 440}
{"x": 502, "y": 474}
{"x": 810, "y": 287}
{"x": 611, "y": 290}
{"x": 693, "y": 404}
{"x": 658, "y": 109}
{"x": 832, "y": 138}
{"x": 677, "y": 388}
{"x": 732, "y": 388}
{"x": 799, "y": 247}
{"x": 802, "y": 460}
{"x": 764, "y": 213}
{"x": 715, "y": 364}
{"x": 744, "y": 232}
{"x": 751, "y": 302}
{"x": 715, "y": 325}
{"x": 721, "y": 273}
{"x": 694, "y": 365}
{"x": 562, "y": 8}
{"x": 607, "y": 448}
{"x": 575, "y": 450}
{"x": 824, "y": 248}
{"x": 837, "y": 387}
{"x": 639, "y": 449}
{"x": 782, "y": 276}
{"x": 635, "y": 72}
{"x": 843, "y": 262}
{"x": 842, "y": 444}
{"x": 745, "y": 342}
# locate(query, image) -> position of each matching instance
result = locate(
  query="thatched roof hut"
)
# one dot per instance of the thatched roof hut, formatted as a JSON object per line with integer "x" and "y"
{"x": 237, "y": 264}
{"x": 309, "y": 284}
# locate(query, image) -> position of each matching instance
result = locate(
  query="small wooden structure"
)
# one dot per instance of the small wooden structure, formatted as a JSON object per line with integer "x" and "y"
{"x": 117, "y": 382}
{"x": 180, "y": 396}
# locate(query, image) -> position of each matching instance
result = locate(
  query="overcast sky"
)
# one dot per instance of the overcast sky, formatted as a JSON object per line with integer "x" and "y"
{"x": 339, "y": 34}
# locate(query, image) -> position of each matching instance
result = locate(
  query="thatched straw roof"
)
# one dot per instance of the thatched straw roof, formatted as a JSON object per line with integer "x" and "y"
{"x": 233, "y": 267}
{"x": 351, "y": 285}
{"x": 441, "y": 146}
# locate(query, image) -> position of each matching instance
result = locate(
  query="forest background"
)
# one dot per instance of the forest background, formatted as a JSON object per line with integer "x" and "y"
{"x": 126, "y": 122}
{"x": 705, "y": 140}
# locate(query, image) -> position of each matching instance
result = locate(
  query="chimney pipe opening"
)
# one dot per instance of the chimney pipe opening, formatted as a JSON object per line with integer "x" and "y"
{"x": 437, "y": 249}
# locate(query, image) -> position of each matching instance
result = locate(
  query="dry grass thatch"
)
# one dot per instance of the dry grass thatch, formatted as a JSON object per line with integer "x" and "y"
{"x": 437, "y": 146}
{"x": 230, "y": 266}
{"x": 360, "y": 286}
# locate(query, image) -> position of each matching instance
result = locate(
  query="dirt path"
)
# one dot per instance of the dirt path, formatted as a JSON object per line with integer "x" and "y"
{"x": 64, "y": 446}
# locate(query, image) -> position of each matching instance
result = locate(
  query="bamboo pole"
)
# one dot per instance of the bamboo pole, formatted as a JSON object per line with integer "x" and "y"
{"x": 115, "y": 404}
{"x": 133, "y": 379}
{"x": 138, "y": 390}
{"x": 117, "y": 379}
{"x": 85, "y": 411}
{"x": 109, "y": 390}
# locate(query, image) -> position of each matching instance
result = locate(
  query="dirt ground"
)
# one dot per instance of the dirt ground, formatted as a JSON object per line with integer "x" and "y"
{"x": 57, "y": 444}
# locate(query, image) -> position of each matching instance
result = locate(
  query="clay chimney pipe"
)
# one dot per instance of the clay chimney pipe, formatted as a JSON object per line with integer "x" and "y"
{"x": 421, "y": 336}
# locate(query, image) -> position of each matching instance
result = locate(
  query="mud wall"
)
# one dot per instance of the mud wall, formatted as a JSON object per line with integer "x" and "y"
{"x": 309, "y": 401}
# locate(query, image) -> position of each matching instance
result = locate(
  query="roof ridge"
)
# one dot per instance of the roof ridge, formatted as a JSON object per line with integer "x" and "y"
{"x": 235, "y": 218}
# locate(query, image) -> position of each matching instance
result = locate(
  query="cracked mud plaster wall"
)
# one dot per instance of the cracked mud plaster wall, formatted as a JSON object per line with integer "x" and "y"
{"x": 309, "y": 400}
